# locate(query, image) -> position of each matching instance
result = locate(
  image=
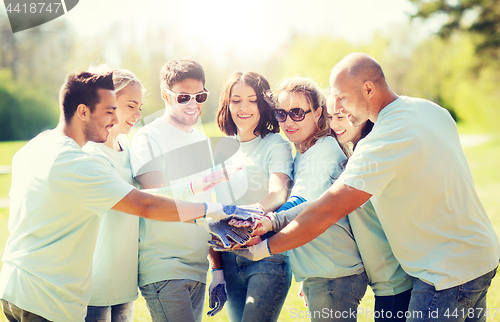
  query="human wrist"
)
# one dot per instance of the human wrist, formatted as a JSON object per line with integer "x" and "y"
{"x": 217, "y": 276}
{"x": 260, "y": 251}
{"x": 267, "y": 223}
{"x": 214, "y": 211}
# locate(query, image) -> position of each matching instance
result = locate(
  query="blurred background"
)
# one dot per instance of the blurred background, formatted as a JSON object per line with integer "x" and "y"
{"x": 446, "y": 51}
{"x": 442, "y": 50}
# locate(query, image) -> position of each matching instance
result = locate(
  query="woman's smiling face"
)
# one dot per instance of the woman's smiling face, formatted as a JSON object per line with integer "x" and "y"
{"x": 244, "y": 109}
{"x": 301, "y": 131}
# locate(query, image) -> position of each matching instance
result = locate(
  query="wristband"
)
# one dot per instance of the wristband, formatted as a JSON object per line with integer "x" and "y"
{"x": 206, "y": 209}
{"x": 268, "y": 249}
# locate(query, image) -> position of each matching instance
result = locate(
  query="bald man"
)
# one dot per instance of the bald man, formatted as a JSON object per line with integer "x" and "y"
{"x": 413, "y": 168}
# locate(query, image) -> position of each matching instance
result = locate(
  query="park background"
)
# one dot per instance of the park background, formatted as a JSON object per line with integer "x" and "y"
{"x": 443, "y": 50}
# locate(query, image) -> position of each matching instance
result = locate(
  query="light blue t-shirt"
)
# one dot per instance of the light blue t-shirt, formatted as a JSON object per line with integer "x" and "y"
{"x": 172, "y": 250}
{"x": 260, "y": 158}
{"x": 334, "y": 253}
{"x": 422, "y": 189}
{"x": 114, "y": 268}
{"x": 386, "y": 277}
{"x": 58, "y": 194}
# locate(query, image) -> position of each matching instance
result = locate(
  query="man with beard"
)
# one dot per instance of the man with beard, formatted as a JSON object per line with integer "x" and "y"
{"x": 413, "y": 169}
{"x": 57, "y": 196}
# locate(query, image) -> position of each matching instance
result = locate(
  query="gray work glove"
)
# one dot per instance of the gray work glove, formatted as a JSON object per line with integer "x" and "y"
{"x": 216, "y": 292}
{"x": 253, "y": 253}
{"x": 220, "y": 211}
{"x": 225, "y": 232}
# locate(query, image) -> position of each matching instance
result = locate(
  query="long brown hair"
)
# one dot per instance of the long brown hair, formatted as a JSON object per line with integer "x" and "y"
{"x": 265, "y": 103}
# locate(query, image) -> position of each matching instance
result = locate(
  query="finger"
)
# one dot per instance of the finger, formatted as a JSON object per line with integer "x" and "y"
{"x": 239, "y": 223}
{"x": 215, "y": 308}
{"x": 254, "y": 240}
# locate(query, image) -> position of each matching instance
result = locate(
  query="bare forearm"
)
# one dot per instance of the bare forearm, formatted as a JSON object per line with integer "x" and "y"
{"x": 278, "y": 192}
{"x": 157, "y": 207}
{"x": 316, "y": 218}
{"x": 214, "y": 259}
{"x": 273, "y": 201}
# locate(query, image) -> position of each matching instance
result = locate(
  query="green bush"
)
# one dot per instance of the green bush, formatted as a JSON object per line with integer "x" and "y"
{"x": 24, "y": 112}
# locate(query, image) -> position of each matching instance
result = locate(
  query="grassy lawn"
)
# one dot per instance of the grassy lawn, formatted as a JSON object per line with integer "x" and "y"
{"x": 483, "y": 161}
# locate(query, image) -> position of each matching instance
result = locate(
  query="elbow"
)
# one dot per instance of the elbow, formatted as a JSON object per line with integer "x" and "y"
{"x": 146, "y": 206}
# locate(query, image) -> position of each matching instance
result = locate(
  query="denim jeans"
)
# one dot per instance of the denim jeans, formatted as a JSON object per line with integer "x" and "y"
{"x": 466, "y": 302}
{"x": 256, "y": 291}
{"x": 16, "y": 314}
{"x": 392, "y": 308}
{"x": 335, "y": 299}
{"x": 174, "y": 300}
{"x": 114, "y": 313}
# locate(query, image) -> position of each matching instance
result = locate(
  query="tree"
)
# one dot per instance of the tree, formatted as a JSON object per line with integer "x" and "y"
{"x": 478, "y": 17}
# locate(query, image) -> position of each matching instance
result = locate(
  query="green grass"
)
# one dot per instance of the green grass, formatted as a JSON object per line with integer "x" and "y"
{"x": 483, "y": 161}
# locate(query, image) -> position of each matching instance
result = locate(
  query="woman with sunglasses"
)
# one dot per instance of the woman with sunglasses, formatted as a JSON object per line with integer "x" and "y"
{"x": 329, "y": 267}
{"x": 256, "y": 291}
{"x": 389, "y": 282}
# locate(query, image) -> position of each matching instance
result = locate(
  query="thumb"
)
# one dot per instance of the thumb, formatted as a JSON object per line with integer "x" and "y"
{"x": 301, "y": 294}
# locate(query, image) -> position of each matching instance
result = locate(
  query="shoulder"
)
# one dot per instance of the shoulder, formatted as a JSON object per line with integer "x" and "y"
{"x": 275, "y": 140}
{"x": 326, "y": 147}
{"x": 124, "y": 142}
{"x": 199, "y": 135}
{"x": 152, "y": 132}
{"x": 274, "y": 143}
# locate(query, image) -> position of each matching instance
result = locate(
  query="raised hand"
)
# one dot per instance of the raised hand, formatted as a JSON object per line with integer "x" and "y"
{"x": 213, "y": 178}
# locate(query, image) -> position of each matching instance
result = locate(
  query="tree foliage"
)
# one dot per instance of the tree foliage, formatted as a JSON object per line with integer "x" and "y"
{"x": 24, "y": 112}
{"x": 443, "y": 71}
{"x": 478, "y": 17}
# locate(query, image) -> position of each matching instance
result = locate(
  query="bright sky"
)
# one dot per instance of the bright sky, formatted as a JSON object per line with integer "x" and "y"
{"x": 260, "y": 25}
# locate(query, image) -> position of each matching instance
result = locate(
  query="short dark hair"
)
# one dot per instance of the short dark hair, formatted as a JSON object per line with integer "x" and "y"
{"x": 179, "y": 69}
{"x": 265, "y": 103}
{"x": 82, "y": 88}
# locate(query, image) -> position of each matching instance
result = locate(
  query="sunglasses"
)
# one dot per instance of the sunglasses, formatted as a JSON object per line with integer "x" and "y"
{"x": 185, "y": 98}
{"x": 296, "y": 114}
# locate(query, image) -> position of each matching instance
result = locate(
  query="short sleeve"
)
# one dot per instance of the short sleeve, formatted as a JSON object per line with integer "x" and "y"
{"x": 317, "y": 169}
{"x": 96, "y": 186}
{"x": 145, "y": 154}
{"x": 371, "y": 167}
{"x": 280, "y": 156}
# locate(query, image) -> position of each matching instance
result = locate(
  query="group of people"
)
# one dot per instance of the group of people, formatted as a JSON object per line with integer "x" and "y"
{"x": 378, "y": 192}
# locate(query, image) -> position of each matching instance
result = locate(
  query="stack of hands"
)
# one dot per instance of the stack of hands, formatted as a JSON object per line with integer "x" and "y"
{"x": 235, "y": 228}
{"x": 238, "y": 229}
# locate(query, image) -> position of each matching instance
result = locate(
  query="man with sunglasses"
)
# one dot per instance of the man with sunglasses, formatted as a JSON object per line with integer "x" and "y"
{"x": 167, "y": 152}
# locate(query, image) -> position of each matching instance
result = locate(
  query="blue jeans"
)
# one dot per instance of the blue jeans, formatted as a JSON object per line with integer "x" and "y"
{"x": 16, "y": 314}
{"x": 466, "y": 302}
{"x": 256, "y": 291}
{"x": 335, "y": 299}
{"x": 392, "y": 308}
{"x": 174, "y": 300}
{"x": 114, "y": 313}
